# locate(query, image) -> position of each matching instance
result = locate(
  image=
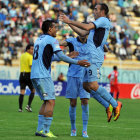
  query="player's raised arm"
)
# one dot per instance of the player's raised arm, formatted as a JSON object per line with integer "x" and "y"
{"x": 79, "y": 31}
{"x": 83, "y": 26}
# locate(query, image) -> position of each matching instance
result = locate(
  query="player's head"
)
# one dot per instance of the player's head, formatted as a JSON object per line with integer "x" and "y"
{"x": 101, "y": 10}
{"x": 83, "y": 39}
{"x": 30, "y": 48}
{"x": 49, "y": 27}
{"x": 114, "y": 67}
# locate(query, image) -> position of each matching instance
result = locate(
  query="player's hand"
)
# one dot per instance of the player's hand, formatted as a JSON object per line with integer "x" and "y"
{"x": 73, "y": 54}
{"x": 64, "y": 18}
{"x": 83, "y": 63}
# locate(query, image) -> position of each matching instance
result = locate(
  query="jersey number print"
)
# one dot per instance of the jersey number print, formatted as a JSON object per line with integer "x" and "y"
{"x": 35, "y": 55}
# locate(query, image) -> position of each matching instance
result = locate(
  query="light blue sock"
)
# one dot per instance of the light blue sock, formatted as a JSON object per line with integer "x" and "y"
{"x": 40, "y": 122}
{"x": 47, "y": 124}
{"x": 101, "y": 100}
{"x": 72, "y": 114}
{"x": 85, "y": 116}
{"x": 104, "y": 94}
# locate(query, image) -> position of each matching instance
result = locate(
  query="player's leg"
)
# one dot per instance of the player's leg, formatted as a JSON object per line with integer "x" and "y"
{"x": 72, "y": 114}
{"x": 45, "y": 118}
{"x": 85, "y": 115}
{"x": 36, "y": 83}
{"x": 48, "y": 116}
{"x": 31, "y": 96}
{"x": 84, "y": 96}
{"x": 72, "y": 94}
{"x": 46, "y": 93}
{"x": 102, "y": 101}
{"x": 93, "y": 85}
{"x": 40, "y": 121}
{"x": 96, "y": 96}
{"x": 21, "y": 98}
{"x": 22, "y": 91}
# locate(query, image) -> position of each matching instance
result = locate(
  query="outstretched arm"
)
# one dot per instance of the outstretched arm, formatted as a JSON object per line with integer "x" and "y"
{"x": 72, "y": 54}
{"x": 67, "y": 59}
{"x": 83, "y": 26}
{"x": 79, "y": 31}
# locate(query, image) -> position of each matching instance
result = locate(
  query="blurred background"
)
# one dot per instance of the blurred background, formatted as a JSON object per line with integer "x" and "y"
{"x": 20, "y": 22}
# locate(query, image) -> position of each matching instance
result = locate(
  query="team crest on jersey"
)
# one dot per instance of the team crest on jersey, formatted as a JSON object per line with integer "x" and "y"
{"x": 56, "y": 42}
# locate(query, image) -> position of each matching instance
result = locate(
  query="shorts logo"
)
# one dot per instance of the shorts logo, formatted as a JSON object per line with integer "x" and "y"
{"x": 45, "y": 94}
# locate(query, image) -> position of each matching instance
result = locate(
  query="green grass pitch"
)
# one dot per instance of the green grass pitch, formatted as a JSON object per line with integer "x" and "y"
{"x": 22, "y": 126}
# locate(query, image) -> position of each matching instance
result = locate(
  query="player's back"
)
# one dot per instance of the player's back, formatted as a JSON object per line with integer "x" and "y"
{"x": 44, "y": 48}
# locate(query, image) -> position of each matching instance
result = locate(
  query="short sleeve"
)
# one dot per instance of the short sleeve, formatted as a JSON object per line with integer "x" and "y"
{"x": 102, "y": 22}
{"x": 55, "y": 45}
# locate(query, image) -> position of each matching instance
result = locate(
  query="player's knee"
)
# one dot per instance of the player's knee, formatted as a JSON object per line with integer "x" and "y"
{"x": 22, "y": 91}
{"x": 49, "y": 113}
{"x": 51, "y": 103}
{"x": 84, "y": 101}
{"x": 93, "y": 85}
{"x": 73, "y": 103}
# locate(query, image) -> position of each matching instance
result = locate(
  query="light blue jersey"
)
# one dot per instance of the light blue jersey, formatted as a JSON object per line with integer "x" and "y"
{"x": 44, "y": 48}
{"x": 75, "y": 72}
{"x": 97, "y": 39}
{"x": 74, "y": 44}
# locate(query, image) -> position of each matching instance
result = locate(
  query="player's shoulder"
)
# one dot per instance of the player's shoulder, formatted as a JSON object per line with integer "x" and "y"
{"x": 52, "y": 39}
{"x": 103, "y": 19}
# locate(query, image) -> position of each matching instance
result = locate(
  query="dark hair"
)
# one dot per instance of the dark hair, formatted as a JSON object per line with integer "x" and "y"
{"x": 29, "y": 46}
{"x": 115, "y": 68}
{"x": 105, "y": 8}
{"x": 47, "y": 24}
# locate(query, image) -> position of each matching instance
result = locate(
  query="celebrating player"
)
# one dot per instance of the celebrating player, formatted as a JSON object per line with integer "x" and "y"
{"x": 44, "y": 48}
{"x": 98, "y": 31}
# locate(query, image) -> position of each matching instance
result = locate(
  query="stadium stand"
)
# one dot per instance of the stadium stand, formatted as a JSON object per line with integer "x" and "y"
{"x": 20, "y": 23}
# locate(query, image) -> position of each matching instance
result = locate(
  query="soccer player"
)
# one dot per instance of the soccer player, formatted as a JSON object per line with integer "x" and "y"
{"x": 98, "y": 31}
{"x": 113, "y": 77}
{"x": 75, "y": 84}
{"x": 45, "y": 46}
{"x": 24, "y": 79}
